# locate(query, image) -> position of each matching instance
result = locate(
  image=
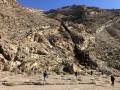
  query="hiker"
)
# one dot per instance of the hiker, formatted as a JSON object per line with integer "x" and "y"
{"x": 112, "y": 80}
{"x": 91, "y": 73}
{"x": 102, "y": 73}
{"x": 76, "y": 74}
{"x": 45, "y": 75}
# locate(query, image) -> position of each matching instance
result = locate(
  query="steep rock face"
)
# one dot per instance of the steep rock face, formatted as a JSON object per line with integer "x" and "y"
{"x": 68, "y": 39}
{"x": 30, "y": 40}
{"x": 108, "y": 45}
{"x": 101, "y": 42}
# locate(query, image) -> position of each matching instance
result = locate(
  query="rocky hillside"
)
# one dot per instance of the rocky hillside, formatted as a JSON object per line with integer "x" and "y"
{"x": 63, "y": 40}
{"x": 102, "y": 25}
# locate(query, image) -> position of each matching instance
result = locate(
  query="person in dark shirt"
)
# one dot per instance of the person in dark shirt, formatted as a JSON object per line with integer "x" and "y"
{"x": 112, "y": 80}
{"x": 45, "y": 75}
{"x": 76, "y": 74}
{"x": 91, "y": 73}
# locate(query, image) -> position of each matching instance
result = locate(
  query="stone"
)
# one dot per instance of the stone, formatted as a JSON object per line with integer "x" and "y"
{"x": 68, "y": 38}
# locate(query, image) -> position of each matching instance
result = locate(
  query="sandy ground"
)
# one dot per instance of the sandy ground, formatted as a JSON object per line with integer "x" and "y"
{"x": 60, "y": 87}
{"x": 10, "y": 81}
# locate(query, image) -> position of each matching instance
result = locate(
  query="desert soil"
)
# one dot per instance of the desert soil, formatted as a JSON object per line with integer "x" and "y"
{"x": 11, "y": 81}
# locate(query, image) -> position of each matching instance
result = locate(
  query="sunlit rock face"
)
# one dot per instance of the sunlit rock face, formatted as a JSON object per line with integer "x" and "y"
{"x": 8, "y": 2}
{"x": 99, "y": 34}
{"x": 64, "y": 40}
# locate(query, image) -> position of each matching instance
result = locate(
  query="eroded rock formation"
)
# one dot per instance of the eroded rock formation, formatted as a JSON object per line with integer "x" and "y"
{"x": 59, "y": 40}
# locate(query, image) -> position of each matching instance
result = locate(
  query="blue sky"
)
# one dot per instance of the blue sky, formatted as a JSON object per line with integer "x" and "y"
{"x": 52, "y": 4}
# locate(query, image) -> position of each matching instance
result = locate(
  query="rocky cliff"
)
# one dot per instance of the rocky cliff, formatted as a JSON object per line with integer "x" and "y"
{"x": 102, "y": 25}
{"x": 63, "y": 40}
